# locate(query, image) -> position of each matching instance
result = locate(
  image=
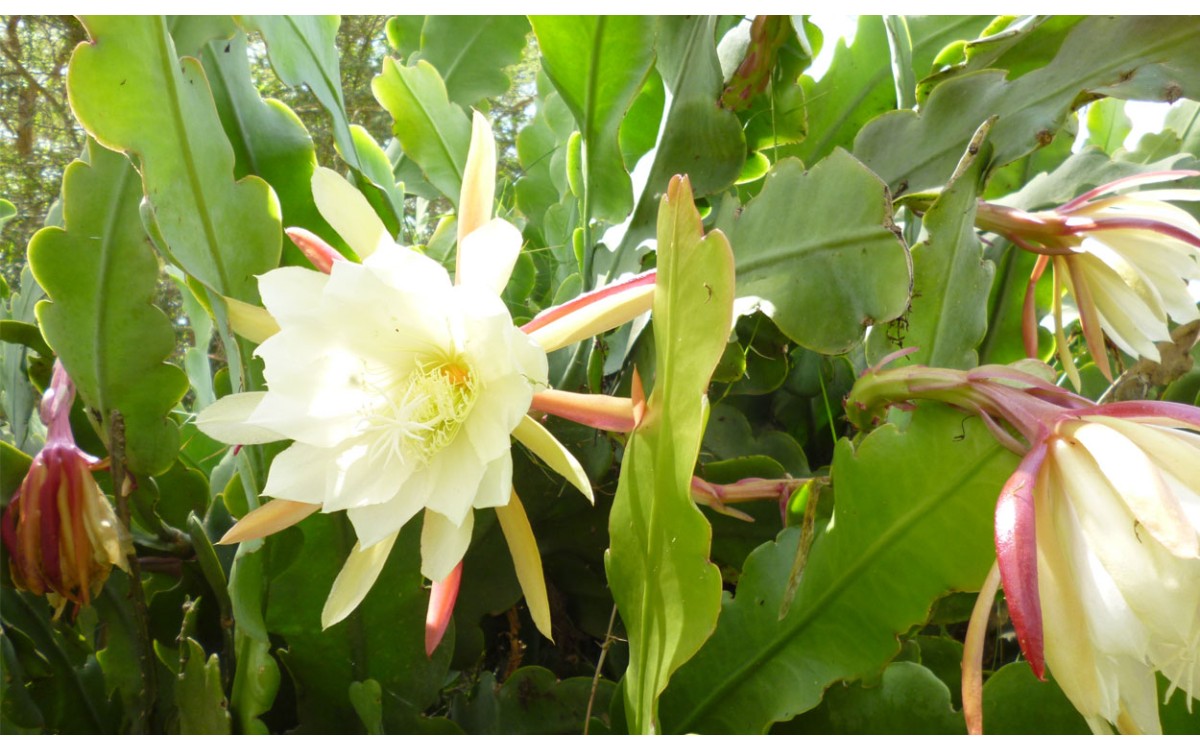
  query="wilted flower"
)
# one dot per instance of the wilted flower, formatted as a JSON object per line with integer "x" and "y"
{"x": 1124, "y": 258}
{"x": 61, "y": 533}
{"x": 401, "y": 389}
{"x": 1097, "y": 536}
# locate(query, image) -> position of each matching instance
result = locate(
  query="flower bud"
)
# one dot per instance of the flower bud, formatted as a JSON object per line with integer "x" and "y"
{"x": 61, "y": 533}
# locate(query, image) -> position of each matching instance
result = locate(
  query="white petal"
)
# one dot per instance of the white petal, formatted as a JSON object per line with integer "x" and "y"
{"x": 456, "y": 473}
{"x": 1137, "y": 481}
{"x": 1123, "y": 315}
{"x": 292, "y": 294}
{"x": 496, "y": 485}
{"x": 479, "y": 181}
{"x": 339, "y": 478}
{"x": 373, "y": 522}
{"x": 545, "y": 446}
{"x": 360, "y": 572}
{"x": 228, "y": 420}
{"x": 499, "y": 408}
{"x": 486, "y": 256}
{"x": 349, "y": 213}
{"x": 443, "y": 544}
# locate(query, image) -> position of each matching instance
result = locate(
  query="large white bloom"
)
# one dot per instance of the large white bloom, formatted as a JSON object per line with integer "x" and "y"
{"x": 1118, "y": 513}
{"x": 400, "y": 389}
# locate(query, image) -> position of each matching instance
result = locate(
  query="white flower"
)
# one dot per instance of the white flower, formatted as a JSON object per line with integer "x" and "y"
{"x": 400, "y": 391}
{"x": 1125, "y": 259}
{"x": 1117, "y": 504}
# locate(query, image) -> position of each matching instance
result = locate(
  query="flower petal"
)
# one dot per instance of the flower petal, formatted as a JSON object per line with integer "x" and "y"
{"x": 349, "y": 213}
{"x": 545, "y": 446}
{"x": 359, "y": 573}
{"x": 251, "y": 322}
{"x": 268, "y": 518}
{"x": 593, "y": 313}
{"x": 487, "y": 255}
{"x": 527, "y": 561}
{"x": 228, "y": 420}
{"x": 479, "y": 183}
{"x": 443, "y": 544}
{"x": 374, "y": 522}
{"x": 456, "y": 473}
{"x": 1136, "y": 479}
{"x": 496, "y": 485}
{"x": 292, "y": 294}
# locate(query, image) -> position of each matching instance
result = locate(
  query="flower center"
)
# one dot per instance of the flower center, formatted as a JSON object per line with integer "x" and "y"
{"x": 414, "y": 419}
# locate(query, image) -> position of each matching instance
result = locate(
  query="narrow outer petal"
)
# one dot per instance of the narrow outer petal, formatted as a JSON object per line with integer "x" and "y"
{"x": 1016, "y": 553}
{"x": 357, "y": 576}
{"x": 527, "y": 560}
{"x": 545, "y": 446}
{"x": 591, "y": 409}
{"x": 592, "y": 313}
{"x": 268, "y": 518}
{"x": 479, "y": 181}
{"x": 349, "y": 213}
{"x": 251, "y": 322}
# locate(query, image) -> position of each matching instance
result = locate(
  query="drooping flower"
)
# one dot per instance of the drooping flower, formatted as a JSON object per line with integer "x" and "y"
{"x": 61, "y": 533}
{"x": 401, "y": 390}
{"x": 1097, "y": 536}
{"x": 1125, "y": 259}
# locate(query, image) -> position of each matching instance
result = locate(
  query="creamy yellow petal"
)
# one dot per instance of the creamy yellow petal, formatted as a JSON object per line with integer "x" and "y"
{"x": 267, "y": 519}
{"x": 1136, "y": 479}
{"x": 479, "y": 180}
{"x": 598, "y": 317}
{"x": 545, "y": 446}
{"x": 486, "y": 256}
{"x": 251, "y": 322}
{"x": 527, "y": 560}
{"x": 443, "y": 543}
{"x": 349, "y": 213}
{"x": 359, "y": 573}
{"x": 226, "y": 420}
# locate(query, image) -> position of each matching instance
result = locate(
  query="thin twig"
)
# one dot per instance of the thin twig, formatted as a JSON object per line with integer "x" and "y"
{"x": 608, "y": 640}
{"x": 149, "y": 693}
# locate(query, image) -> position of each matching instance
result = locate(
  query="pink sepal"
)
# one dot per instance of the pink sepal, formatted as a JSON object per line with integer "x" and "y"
{"x": 1186, "y": 413}
{"x": 554, "y": 313}
{"x": 441, "y": 605}
{"x": 1016, "y": 553}
{"x": 319, "y": 252}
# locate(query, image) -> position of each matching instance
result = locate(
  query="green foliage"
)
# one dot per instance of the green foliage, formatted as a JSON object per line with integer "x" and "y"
{"x": 894, "y": 509}
{"x": 832, "y": 598}
{"x": 835, "y": 223}
{"x": 1102, "y": 56}
{"x": 433, "y": 132}
{"x": 666, "y": 590}
{"x": 599, "y": 87}
{"x": 948, "y": 314}
{"x": 135, "y": 94}
{"x": 100, "y": 273}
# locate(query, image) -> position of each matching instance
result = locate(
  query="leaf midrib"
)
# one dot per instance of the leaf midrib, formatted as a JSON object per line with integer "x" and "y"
{"x": 727, "y": 683}
{"x": 194, "y": 183}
